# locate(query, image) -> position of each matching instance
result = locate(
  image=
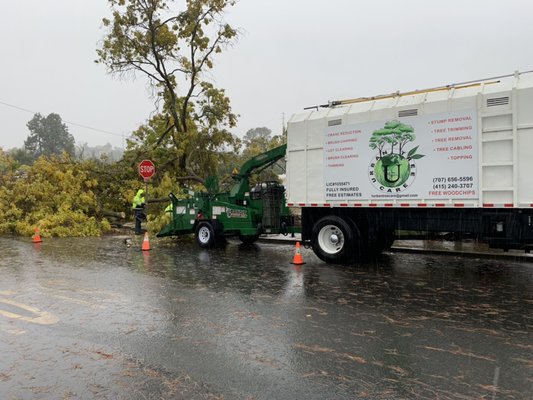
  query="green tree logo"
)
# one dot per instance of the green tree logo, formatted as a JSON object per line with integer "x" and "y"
{"x": 392, "y": 167}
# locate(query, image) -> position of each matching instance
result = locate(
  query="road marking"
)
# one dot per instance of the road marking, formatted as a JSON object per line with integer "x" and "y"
{"x": 41, "y": 318}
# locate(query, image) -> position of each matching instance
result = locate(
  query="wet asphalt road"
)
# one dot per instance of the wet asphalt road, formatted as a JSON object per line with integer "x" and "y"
{"x": 92, "y": 318}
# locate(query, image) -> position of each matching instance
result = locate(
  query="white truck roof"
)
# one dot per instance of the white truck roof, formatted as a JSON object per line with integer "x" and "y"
{"x": 463, "y": 145}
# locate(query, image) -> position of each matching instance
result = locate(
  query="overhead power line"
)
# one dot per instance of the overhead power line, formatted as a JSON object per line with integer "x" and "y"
{"x": 65, "y": 121}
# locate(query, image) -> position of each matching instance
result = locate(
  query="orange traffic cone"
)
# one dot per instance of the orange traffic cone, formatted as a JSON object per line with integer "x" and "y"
{"x": 146, "y": 243}
{"x": 37, "y": 236}
{"x": 298, "y": 259}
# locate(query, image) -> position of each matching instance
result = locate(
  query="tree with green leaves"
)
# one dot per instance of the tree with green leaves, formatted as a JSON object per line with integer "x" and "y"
{"x": 49, "y": 136}
{"x": 55, "y": 193}
{"x": 21, "y": 155}
{"x": 173, "y": 44}
{"x": 260, "y": 135}
{"x": 259, "y": 140}
{"x": 394, "y": 133}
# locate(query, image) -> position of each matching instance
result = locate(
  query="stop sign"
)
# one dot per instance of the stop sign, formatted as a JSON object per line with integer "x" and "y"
{"x": 146, "y": 169}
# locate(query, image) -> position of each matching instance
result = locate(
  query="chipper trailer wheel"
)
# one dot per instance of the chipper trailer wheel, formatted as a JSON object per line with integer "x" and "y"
{"x": 205, "y": 235}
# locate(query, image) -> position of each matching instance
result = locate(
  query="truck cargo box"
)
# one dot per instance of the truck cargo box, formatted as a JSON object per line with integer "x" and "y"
{"x": 466, "y": 145}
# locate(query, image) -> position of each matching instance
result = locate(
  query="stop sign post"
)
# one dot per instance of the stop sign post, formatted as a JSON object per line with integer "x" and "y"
{"x": 146, "y": 169}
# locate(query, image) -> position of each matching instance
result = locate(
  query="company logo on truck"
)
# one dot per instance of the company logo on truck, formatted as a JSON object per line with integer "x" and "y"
{"x": 232, "y": 213}
{"x": 393, "y": 169}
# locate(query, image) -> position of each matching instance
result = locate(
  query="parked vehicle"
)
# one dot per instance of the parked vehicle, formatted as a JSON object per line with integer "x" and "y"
{"x": 244, "y": 211}
{"x": 457, "y": 158}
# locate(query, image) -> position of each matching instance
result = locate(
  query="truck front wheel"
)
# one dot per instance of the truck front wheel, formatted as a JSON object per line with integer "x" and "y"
{"x": 205, "y": 235}
{"x": 333, "y": 240}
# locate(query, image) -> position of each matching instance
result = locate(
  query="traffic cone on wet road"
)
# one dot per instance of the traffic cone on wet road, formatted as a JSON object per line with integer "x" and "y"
{"x": 146, "y": 243}
{"x": 298, "y": 259}
{"x": 37, "y": 236}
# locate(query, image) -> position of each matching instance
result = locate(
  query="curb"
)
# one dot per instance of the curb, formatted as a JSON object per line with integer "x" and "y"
{"x": 285, "y": 240}
{"x": 469, "y": 254}
{"x": 414, "y": 250}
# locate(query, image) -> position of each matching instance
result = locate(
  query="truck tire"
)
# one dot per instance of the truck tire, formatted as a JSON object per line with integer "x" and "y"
{"x": 333, "y": 240}
{"x": 205, "y": 235}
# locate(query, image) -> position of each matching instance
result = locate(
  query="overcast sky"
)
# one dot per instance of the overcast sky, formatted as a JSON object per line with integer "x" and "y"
{"x": 291, "y": 54}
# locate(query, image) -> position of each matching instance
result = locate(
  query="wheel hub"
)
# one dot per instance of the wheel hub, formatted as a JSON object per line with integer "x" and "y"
{"x": 331, "y": 239}
{"x": 204, "y": 234}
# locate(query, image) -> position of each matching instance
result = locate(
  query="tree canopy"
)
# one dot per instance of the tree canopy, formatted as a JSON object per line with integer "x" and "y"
{"x": 394, "y": 133}
{"x": 49, "y": 136}
{"x": 259, "y": 140}
{"x": 173, "y": 44}
{"x": 55, "y": 194}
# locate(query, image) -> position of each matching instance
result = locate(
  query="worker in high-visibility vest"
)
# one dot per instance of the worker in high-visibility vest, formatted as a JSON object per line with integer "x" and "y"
{"x": 169, "y": 212}
{"x": 138, "y": 209}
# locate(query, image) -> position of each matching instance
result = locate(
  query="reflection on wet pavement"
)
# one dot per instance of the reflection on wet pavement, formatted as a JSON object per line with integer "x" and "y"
{"x": 243, "y": 323}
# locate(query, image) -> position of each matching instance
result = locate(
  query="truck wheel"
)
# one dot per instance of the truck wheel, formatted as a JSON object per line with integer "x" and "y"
{"x": 205, "y": 235}
{"x": 333, "y": 240}
{"x": 248, "y": 239}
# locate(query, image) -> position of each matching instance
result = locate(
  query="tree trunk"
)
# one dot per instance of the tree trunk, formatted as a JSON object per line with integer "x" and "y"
{"x": 114, "y": 214}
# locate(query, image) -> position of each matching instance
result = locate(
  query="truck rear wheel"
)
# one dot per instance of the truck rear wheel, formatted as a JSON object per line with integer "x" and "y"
{"x": 333, "y": 240}
{"x": 205, "y": 235}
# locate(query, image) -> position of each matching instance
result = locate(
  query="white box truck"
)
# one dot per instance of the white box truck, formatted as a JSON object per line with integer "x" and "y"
{"x": 457, "y": 158}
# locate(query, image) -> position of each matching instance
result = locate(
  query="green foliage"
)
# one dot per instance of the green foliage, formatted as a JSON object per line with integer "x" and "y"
{"x": 55, "y": 194}
{"x": 260, "y": 140}
{"x": 21, "y": 156}
{"x": 394, "y": 133}
{"x": 174, "y": 43}
{"x": 49, "y": 136}
{"x": 207, "y": 156}
{"x": 7, "y": 166}
{"x": 257, "y": 141}
{"x": 412, "y": 154}
{"x": 117, "y": 184}
{"x": 157, "y": 218}
{"x": 174, "y": 48}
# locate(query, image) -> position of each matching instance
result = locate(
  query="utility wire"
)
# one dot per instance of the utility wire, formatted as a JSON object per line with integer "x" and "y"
{"x": 65, "y": 121}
